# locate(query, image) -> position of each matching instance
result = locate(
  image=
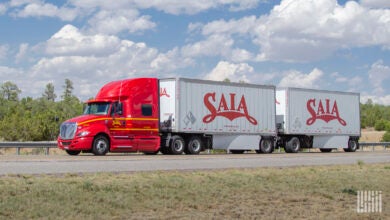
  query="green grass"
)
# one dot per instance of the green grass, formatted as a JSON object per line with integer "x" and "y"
{"x": 269, "y": 193}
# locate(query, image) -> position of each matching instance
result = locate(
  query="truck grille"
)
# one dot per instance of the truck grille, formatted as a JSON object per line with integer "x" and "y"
{"x": 68, "y": 130}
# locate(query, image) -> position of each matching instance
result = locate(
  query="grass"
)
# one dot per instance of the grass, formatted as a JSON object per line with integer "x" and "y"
{"x": 269, "y": 193}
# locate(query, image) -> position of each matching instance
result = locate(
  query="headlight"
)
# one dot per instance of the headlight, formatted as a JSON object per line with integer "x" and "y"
{"x": 83, "y": 134}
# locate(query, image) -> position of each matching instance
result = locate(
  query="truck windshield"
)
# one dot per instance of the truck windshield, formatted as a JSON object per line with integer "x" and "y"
{"x": 97, "y": 108}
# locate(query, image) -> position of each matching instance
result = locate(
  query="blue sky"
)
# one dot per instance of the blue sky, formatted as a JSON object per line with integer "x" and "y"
{"x": 321, "y": 44}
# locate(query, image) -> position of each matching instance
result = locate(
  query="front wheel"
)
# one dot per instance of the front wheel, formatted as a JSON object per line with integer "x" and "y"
{"x": 100, "y": 146}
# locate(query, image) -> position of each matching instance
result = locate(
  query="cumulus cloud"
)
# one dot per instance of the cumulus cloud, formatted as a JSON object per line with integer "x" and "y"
{"x": 233, "y": 72}
{"x": 40, "y": 9}
{"x": 376, "y": 3}
{"x": 112, "y": 22}
{"x": 297, "y": 79}
{"x": 305, "y": 30}
{"x": 71, "y": 41}
{"x": 379, "y": 75}
{"x": 23, "y": 49}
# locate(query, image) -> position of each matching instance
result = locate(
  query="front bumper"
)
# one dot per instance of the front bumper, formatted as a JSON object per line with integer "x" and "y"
{"x": 81, "y": 143}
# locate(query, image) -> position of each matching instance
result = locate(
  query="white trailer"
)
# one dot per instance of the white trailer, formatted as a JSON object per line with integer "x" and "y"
{"x": 199, "y": 114}
{"x": 308, "y": 118}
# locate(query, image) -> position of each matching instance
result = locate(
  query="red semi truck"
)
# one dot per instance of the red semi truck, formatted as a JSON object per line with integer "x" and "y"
{"x": 179, "y": 115}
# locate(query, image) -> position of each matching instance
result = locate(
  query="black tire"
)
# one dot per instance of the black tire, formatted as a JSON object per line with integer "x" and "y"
{"x": 73, "y": 152}
{"x": 177, "y": 145}
{"x": 194, "y": 145}
{"x": 293, "y": 145}
{"x": 100, "y": 145}
{"x": 237, "y": 151}
{"x": 266, "y": 146}
{"x": 326, "y": 150}
{"x": 353, "y": 145}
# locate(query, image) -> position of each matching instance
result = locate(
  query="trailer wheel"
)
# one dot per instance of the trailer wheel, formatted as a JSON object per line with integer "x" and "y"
{"x": 73, "y": 152}
{"x": 194, "y": 145}
{"x": 352, "y": 145}
{"x": 266, "y": 146}
{"x": 293, "y": 145}
{"x": 326, "y": 150}
{"x": 177, "y": 145}
{"x": 100, "y": 145}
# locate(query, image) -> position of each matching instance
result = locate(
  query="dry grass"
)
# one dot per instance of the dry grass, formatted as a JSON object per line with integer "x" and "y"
{"x": 265, "y": 193}
{"x": 370, "y": 135}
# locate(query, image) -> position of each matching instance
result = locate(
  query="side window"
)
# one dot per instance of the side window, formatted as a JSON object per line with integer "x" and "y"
{"x": 117, "y": 108}
{"x": 147, "y": 110}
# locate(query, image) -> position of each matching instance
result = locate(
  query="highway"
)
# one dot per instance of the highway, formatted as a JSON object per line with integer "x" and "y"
{"x": 84, "y": 163}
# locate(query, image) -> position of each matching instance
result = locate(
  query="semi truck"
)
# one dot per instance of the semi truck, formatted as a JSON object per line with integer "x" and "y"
{"x": 180, "y": 115}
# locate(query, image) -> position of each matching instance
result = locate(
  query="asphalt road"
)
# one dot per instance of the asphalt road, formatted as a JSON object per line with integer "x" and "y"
{"x": 54, "y": 164}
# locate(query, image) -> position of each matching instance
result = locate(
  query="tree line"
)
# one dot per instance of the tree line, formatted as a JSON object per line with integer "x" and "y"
{"x": 38, "y": 119}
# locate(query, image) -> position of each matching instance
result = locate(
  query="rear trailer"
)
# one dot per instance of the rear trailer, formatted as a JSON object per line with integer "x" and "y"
{"x": 201, "y": 114}
{"x": 308, "y": 118}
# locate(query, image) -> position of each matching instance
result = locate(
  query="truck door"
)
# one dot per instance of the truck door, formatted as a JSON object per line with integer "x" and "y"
{"x": 123, "y": 140}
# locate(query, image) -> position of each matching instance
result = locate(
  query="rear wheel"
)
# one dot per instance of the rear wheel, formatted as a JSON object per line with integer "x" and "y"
{"x": 194, "y": 145}
{"x": 177, "y": 145}
{"x": 100, "y": 145}
{"x": 266, "y": 146}
{"x": 352, "y": 145}
{"x": 293, "y": 145}
{"x": 326, "y": 150}
{"x": 73, "y": 152}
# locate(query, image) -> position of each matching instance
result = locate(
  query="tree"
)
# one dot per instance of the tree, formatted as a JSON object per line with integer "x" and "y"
{"x": 68, "y": 89}
{"x": 10, "y": 91}
{"x": 49, "y": 93}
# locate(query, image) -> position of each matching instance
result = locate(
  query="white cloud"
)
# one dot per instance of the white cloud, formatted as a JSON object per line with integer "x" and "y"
{"x": 215, "y": 45}
{"x": 170, "y": 61}
{"x": 381, "y": 100}
{"x": 3, "y": 9}
{"x": 23, "y": 49}
{"x": 379, "y": 75}
{"x": 297, "y": 79}
{"x": 3, "y": 51}
{"x": 304, "y": 30}
{"x": 112, "y": 22}
{"x": 71, "y": 41}
{"x": 40, "y": 9}
{"x": 376, "y": 3}
{"x": 231, "y": 71}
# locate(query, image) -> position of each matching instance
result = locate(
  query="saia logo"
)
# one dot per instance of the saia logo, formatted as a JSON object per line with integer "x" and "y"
{"x": 163, "y": 92}
{"x": 225, "y": 109}
{"x": 327, "y": 114}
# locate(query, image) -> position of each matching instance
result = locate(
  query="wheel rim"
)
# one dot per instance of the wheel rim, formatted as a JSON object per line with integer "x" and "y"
{"x": 352, "y": 145}
{"x": 266, "y": 145}
{"x": 178, "y": 145}
{"x": 101, "y": 146}
{"x": 195, "y": 145}
{"x": 295, "y": 145}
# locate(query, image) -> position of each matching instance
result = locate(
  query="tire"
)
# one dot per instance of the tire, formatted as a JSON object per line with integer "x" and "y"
{"x": 266, "y": 146}
{"x": 100, "y": 145}
{"x": 73, "y": 152}
{"x": 165, "y": 150}
{"x": 194, "y": 145}
{"x": 177, "y": 145}
{"x": 237, "y": 151}
{"x": 326, "y": 150}
{"x": 293, "y": 145}
{"x": 352, "y": 145}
